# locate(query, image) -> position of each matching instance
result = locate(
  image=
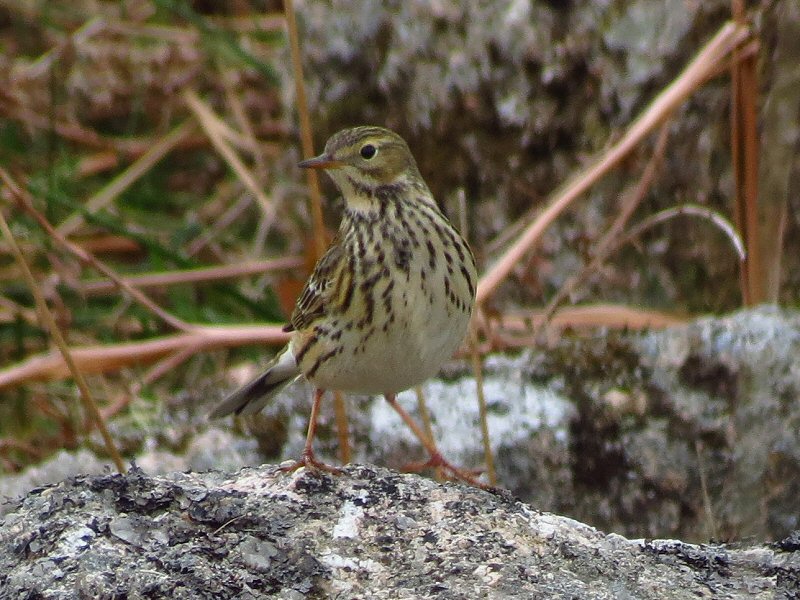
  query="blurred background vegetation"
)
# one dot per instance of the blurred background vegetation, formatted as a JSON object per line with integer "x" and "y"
{"x": 161, "y": 136}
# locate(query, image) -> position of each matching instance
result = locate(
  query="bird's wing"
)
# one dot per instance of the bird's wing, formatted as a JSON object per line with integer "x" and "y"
{"x": 316, "y": 295}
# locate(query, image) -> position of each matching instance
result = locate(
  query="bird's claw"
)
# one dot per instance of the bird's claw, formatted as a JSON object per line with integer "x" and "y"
{"x": 309, "y": 461}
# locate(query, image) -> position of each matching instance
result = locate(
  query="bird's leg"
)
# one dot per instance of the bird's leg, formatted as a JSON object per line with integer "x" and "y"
{"x": 435, "y": 457}
{"x": 308, "y": 459}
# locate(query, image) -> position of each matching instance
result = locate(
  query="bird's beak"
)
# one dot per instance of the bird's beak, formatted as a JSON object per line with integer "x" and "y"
{"x": 323, "y": 161}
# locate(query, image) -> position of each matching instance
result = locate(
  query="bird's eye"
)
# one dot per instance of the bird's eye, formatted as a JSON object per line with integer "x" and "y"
{"x": 368, "y": 151}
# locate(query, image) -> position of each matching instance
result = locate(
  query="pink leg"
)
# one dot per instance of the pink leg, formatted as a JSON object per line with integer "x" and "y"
{"x": 308, "y": 459}
{"x": 436, "y": 459}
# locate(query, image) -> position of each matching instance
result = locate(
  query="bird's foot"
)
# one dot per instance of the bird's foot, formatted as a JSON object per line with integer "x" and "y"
{"x": 441, "y": 464}
{"x": 311, "y": 462}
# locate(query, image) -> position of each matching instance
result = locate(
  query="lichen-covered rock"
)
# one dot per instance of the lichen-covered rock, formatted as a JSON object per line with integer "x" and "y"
{"x": 369, "y": 533}
{"x": 688, "y": 432}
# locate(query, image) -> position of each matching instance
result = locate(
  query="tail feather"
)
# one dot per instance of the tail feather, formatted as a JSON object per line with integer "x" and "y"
{"x": 252, "y": 397}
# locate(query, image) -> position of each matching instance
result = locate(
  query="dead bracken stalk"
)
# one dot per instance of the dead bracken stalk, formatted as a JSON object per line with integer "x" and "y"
{"x": 112, "y": 357}
{"x": 693, "y": 76}
{"x": 744, "y": 155}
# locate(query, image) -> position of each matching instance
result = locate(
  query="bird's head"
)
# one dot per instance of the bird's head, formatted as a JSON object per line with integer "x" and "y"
{"x": 365, "y": 158}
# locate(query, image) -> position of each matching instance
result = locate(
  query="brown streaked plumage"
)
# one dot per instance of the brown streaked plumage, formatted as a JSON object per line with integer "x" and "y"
{"x": 389, "y": 301}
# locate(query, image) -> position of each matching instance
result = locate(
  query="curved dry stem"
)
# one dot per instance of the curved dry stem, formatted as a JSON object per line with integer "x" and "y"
{"x": 693, "y": 210}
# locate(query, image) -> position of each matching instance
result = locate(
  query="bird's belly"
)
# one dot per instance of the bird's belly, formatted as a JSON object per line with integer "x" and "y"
{"x": 388, "y": 357}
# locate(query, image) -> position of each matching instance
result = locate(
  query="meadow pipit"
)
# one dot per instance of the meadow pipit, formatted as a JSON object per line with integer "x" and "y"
{"x": 390, "y": 300}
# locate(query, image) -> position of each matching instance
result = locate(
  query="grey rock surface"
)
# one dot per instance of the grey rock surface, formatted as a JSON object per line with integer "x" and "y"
{"x": 369, "y": 533}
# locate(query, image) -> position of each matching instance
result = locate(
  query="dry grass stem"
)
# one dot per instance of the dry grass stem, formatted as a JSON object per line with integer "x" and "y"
{"x": 693, "y": 76}
{"x": 44, "y": 64}
{"x": 251, "y": 23}
{"x": 477, "y": 372}
{"x": 199, "y": 275}
{"x": 220, "y": 223}
{"x": 342, "y": 427}
{"x": 129, "y": 176}
{"x": 25, "y": 203}
{"x": 602, "y": 249}
{"x": 712, "y": 528}
{"x": 48, "y": 322}
{"x": 219, "y": 133}
{"x": 240, "y": 114}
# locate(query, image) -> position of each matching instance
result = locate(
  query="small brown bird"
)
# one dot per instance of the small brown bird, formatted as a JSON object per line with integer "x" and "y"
{"x": 390, "y": 300}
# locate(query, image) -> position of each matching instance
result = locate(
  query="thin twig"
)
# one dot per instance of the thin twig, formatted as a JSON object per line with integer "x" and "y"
{"x": 49, "y": 322}
{"x": 601, "y": 250}
{"x": 129, "y": 176}
{"x": 25, "y": 203}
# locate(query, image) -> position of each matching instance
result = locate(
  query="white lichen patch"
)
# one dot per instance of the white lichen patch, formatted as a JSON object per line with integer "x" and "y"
{"x": 349, "y": 521}
{"x": 516, "y": 410}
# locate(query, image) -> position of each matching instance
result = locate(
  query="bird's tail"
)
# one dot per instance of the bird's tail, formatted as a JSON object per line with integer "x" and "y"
{"x": 251, "y": 398}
